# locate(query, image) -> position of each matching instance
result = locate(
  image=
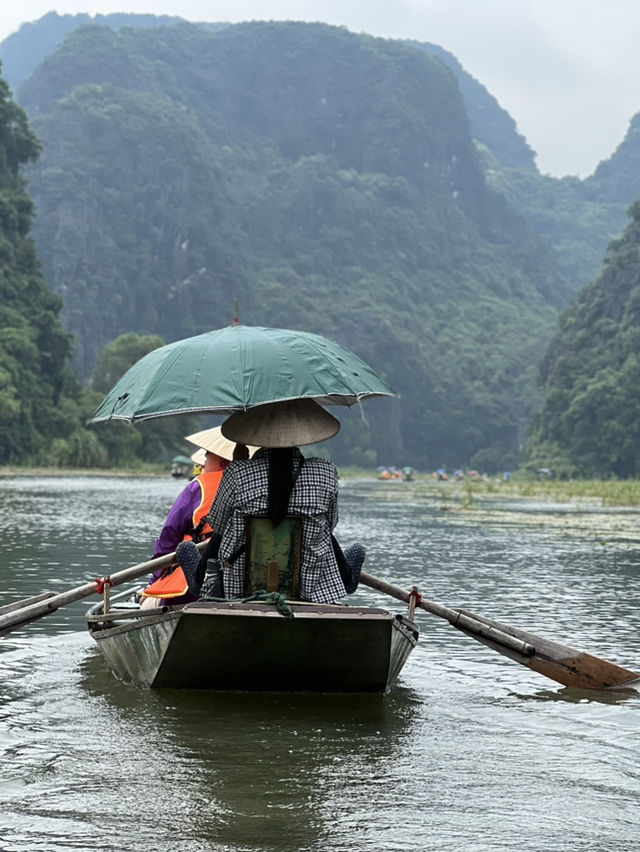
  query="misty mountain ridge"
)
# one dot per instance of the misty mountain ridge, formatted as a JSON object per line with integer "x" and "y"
{"x": 363, "y": 188}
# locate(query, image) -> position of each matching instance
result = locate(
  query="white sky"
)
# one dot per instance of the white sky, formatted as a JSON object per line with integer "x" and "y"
{"x": 568, "y": 71}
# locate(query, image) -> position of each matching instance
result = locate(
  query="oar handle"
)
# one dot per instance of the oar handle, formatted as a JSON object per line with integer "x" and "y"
{"x": 453, "y": 616}
{"x": 50, "y": 604}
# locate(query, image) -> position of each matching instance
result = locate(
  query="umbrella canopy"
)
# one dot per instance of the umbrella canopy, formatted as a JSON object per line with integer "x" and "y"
{"x": 238, "y": 367}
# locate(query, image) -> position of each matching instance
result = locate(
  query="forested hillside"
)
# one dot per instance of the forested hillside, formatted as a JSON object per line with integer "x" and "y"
{"x": 38, "y": 395}
{"x": 578, "y": 218}
{"x": 366, "y": 189}
{"x": 326, "y": 181}
{"x": 590, "y": 421}
{"x": 24, "y": 50}
{"x": 491, "y": 126}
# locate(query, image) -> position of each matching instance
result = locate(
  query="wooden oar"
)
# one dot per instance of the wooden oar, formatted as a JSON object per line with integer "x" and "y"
{"x": 552, "y": 659}
{"x": 20, "y": 613}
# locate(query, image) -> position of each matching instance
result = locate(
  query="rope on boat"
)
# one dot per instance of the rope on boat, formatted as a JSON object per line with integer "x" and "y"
{"x": 277, "y": 598}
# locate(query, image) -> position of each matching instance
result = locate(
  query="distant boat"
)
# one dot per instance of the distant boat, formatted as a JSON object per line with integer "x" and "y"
{"x": 390, "y": 473}
{"x": 181, "y": 466}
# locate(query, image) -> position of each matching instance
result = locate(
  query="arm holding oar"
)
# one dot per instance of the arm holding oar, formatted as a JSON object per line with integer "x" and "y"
{"x": 16, "y": 616}
{"x": 556, "y": 661}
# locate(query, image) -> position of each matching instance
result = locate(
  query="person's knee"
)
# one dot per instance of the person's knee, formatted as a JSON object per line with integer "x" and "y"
{"x": 188, "y": 558}
{"x": 355, "y": 556}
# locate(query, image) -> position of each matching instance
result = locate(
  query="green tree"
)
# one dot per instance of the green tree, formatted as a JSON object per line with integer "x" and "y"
{"x": 116, "y": 358}
{"x": 153, "y": 440}
{"x": 590, "y": 416}
{"x": 38, "y": 394}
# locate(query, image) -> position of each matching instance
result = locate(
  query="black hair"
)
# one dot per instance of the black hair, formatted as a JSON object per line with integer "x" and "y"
{"x": 240, "y": 452}
{"x": 280, "y": 481}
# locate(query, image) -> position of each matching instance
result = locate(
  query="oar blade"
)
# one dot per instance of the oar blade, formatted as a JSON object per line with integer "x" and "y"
{"x": 557, "y": 661}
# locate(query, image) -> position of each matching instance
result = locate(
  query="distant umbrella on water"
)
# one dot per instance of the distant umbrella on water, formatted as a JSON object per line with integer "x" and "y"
{"x": 238, "y": 367}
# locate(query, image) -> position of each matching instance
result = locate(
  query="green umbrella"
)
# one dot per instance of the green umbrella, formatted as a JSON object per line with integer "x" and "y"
{"x": 235, "y": 368}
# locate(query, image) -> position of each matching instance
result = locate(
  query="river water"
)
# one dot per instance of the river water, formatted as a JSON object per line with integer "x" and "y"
{"x": 470, "y": 751}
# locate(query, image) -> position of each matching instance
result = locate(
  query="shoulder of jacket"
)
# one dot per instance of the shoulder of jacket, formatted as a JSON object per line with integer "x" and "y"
{"x": 315, "y": 461}
{"x": 239, "y": 465}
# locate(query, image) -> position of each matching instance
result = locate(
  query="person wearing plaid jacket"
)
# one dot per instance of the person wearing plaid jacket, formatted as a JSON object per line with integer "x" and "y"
{"x": 244, "y": 490}
{"x": 276, "y": 482}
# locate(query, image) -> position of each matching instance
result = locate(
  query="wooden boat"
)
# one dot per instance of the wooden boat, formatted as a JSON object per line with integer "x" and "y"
{"x": 251, "y": 646}
{"x": 181, "y": 467}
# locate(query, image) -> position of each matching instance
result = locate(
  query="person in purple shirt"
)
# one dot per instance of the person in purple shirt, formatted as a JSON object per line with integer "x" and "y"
{"x": 188, "y": 516}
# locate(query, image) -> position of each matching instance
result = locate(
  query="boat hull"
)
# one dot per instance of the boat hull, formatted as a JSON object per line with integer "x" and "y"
{"x": 231, "y": 645}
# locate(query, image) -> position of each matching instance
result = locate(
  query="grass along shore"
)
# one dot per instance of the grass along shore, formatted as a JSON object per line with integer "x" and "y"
{"x": 151, "y": 470}
{"x": 605, "y": 492}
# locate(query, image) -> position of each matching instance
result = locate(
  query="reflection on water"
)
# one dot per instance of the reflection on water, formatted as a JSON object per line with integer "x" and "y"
{"x": 261, "y": 768}
{"x": 576, "y": 696}
{"x": 470, "y": 751}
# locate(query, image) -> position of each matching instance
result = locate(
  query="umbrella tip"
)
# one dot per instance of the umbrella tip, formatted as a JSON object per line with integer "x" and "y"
{"x": 236, "y": 321}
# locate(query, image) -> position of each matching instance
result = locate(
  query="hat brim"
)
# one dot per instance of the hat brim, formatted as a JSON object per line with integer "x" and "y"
{"x": 293, "y": 423}
{"x": 213, "y": 441}
{"x": 199, "y": 457}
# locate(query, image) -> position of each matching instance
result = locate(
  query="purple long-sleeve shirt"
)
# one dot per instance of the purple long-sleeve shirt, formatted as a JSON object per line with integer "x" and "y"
{"x": 179, "y": 520}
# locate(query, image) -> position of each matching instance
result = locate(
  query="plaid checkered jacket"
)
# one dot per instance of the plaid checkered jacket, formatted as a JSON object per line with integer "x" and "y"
{"x": 244, "y": 490}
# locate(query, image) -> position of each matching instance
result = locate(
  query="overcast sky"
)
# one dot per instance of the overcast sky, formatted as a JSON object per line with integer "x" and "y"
{"x": 568, "y": 71}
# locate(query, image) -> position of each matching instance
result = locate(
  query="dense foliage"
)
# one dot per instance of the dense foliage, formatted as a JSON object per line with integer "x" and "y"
{"x": 491, "y": 126}
{"x": 577, "y": 222}
{"x": 590, "y": 421}
{"x": 38, "y": 395}
{"x": 578, "y": 218}
{"x": 24, "y": 50}
{"x": 326, "y": 181}
{"x": 42, "y": 406}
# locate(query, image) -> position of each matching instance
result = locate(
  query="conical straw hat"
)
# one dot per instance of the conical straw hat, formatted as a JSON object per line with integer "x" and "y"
{"x": 293, "y": 423}
{"x": 214, "y": 441}
{"x": 199, "y": 457}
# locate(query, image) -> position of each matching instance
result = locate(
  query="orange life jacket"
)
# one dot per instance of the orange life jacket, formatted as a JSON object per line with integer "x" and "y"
{"x": 174, "y": 585}
{"x": 209, "y": 484}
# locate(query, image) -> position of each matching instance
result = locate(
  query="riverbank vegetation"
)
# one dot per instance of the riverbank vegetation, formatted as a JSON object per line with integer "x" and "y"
{"x": 465, "y": 493}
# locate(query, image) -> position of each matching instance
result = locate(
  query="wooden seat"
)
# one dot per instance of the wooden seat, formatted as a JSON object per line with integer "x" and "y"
{"x": 273, "y": 556}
